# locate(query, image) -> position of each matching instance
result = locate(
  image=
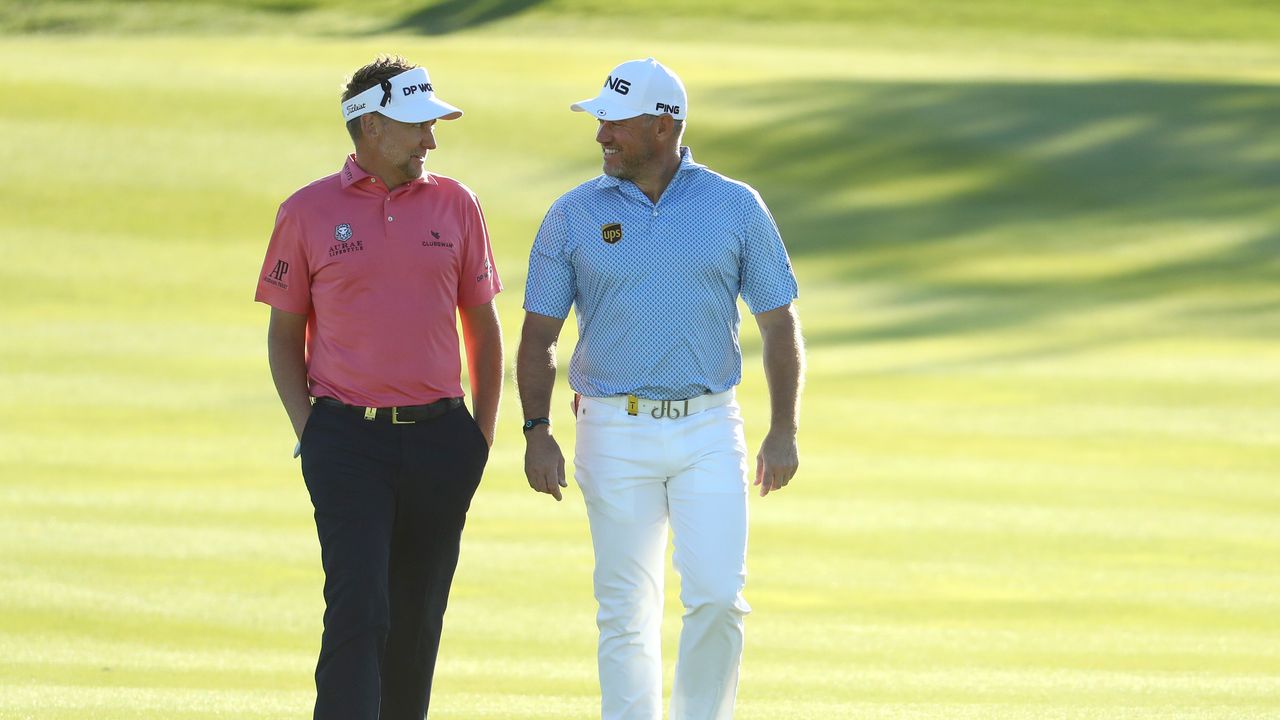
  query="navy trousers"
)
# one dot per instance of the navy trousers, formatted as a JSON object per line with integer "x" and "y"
{"x": 390, "y": 502}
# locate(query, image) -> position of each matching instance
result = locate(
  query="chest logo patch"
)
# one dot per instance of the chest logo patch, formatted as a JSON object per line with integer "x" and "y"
{"x": 437, "y": 242}
{"x": 611, "y": 233}
{"x": 342, "y": 233}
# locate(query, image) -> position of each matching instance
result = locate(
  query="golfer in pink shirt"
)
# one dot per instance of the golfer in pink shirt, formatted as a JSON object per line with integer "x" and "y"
{"x": 366, "y": 273}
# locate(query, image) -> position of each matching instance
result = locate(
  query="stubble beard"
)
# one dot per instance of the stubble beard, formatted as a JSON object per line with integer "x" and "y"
{"x": 407, "y": 168}
{"x": 413, "y": 171}
{"x": 626, "y": 168}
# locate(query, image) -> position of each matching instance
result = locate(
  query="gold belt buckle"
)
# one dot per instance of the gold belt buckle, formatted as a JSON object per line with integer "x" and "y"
{"x": 395, "y": 418}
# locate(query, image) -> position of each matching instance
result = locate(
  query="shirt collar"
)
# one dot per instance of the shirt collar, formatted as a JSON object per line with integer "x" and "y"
{"x": 353, "y": 174}
{"x": 686, "y": 163}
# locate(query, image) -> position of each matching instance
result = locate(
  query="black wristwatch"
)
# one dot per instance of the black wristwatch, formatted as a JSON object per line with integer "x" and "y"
{"x": 532, "y": 423}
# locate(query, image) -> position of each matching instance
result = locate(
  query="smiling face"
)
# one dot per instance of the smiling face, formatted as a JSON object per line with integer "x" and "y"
{"x": 630, "y": 147}
{"x": 396, "y": 151}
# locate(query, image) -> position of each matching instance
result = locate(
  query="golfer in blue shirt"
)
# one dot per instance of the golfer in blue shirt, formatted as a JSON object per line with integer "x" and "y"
{"x": 652, "y": 256}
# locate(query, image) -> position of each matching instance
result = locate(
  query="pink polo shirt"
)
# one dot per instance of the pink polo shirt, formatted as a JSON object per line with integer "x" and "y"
{"x": 380, "y": 276}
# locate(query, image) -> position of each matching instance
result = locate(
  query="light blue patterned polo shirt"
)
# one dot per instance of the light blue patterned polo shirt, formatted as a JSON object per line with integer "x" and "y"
{"x": 655, "y": 286}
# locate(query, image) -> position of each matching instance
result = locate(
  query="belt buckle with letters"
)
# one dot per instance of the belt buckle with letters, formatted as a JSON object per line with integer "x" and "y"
{"x": 668, "y": 410}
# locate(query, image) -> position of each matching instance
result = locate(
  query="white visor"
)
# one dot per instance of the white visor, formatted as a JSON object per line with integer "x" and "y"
{"x": 407, "y": 97}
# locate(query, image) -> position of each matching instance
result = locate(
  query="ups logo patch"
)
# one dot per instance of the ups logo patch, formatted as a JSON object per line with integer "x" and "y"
{"x": 611, "y": 233}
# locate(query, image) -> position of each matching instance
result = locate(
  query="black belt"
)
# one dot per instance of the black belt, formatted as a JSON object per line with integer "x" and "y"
{"x": 403, "y": 415}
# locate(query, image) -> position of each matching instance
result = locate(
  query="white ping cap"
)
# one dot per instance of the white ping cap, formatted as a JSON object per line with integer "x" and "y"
{"x": 407, "y": 97}
{"x": 638, "y": 87}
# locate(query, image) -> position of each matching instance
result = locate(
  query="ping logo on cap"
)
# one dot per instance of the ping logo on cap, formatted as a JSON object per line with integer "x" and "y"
{"x": 618, "y": 85}
{"x": 611, "y": 233}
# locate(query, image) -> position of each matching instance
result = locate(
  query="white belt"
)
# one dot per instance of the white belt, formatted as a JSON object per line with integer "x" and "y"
{"x": 672, "y": 409}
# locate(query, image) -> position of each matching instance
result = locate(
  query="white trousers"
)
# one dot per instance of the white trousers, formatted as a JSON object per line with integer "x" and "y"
{"x": 638, "y": 473}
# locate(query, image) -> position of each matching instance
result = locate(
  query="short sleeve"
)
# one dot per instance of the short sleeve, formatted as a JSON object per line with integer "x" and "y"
{"x": 478, "y": 281}
{"x": 285, "y": 279}
{"x": 550, "y": 288}
{"x": 767, "y": 281}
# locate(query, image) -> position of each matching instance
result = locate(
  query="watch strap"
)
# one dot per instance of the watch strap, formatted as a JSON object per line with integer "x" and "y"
{"x": 532, "y": 423}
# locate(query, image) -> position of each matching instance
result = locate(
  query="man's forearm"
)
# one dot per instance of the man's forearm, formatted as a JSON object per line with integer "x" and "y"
{"x": 286, "y": 356}
{"x": 783, "y": 367}
{"x": 483, "y": 337}
{"x": 536, "y": 367}
{"x": 535, "y": 377}
{"x": 485, "y": 368}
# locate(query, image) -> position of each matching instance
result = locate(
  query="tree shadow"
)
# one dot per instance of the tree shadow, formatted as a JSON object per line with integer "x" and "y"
{"x": 890, "y": 181}
{"x": 440, "y": 18}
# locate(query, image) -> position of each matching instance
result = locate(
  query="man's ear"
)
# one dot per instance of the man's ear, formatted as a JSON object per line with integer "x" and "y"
{"x": 666, "y": 125}
{"x": 369, "y": 125}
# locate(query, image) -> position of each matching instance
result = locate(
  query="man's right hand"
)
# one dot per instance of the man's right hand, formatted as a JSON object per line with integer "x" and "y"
{"x": 543, "y": 462}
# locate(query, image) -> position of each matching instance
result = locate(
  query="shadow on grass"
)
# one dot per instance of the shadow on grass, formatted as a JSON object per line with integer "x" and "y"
{"x": 449, "y": 16}
{"x": 895, "y": 182}
{"x": 425, "y": 17}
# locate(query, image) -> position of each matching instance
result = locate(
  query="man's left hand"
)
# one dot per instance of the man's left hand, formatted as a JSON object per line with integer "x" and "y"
{"x": 777, "y": 462}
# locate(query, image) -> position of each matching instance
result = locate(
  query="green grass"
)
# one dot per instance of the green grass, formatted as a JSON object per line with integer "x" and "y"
{"x": 1196, "y": 20}
{"x": 1037, "y": 267}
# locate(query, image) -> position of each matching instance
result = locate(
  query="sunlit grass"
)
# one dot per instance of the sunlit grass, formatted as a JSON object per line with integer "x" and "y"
{"x": 1039, "y": 445}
